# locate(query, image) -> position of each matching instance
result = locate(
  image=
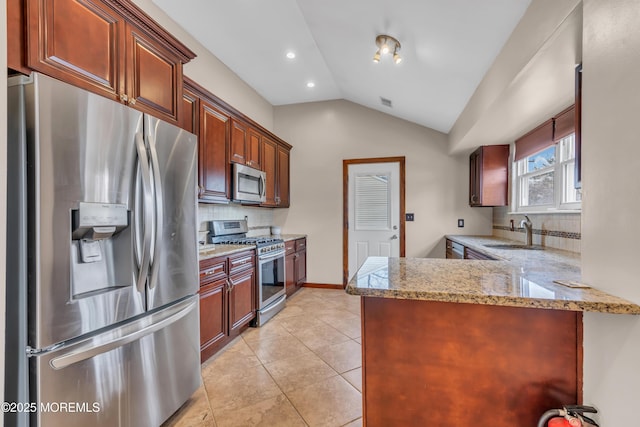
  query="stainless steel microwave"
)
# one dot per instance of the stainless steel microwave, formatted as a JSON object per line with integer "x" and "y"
{"x": 249, "y": 184}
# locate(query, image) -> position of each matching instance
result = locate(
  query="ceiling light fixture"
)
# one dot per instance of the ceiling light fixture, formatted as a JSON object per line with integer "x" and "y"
{"x": 311, "y": 84}
{"x": 291, "y": 55}
{"x": 387, "y": 44}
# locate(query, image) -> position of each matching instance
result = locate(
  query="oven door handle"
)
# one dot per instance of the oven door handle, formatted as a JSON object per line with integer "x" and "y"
{"x": 270, "y": 257}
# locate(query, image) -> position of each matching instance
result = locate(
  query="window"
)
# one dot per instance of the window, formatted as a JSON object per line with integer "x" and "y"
{"x": 545, "y": 180}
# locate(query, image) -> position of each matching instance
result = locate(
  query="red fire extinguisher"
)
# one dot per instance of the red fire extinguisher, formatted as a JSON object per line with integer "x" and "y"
{"x": 568, "y": 416}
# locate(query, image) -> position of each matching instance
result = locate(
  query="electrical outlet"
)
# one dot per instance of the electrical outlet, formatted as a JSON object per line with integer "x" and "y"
{"x": 461, "y": 223}
{"x": 408, "y": 217}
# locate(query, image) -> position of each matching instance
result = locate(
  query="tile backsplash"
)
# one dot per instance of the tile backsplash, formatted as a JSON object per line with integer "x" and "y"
{"x": 259, "y": 219}
{"x": 560, "y": 231}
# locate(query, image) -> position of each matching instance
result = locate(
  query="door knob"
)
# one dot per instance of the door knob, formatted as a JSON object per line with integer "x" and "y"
{"x": 395, "y": 227}
{"x": 394, "y": 237}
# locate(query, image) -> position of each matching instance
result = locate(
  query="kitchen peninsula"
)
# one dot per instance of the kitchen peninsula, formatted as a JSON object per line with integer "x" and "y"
{"x": 465, "y": 342}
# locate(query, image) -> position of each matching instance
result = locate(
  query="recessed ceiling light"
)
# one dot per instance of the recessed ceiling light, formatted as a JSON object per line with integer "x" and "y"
{"x": 311, "y": 84}
{"x": 291, "y": 55}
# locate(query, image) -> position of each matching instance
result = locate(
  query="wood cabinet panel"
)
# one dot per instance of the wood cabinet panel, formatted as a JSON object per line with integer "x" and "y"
{"x": 290, "y": 273}
{"x": 465, "y": 361}
{"x": 78, "y": 41}
{"x": 489, "y": 176}
{"x": 301, "y": 268}
{"x": 269, "y": 161}
{"x": 237, "y": 152}
{"x": 242, "y": 300}
{"x": 154, "y": 79}
{"x": 16, "y": 44}
{"x": 213, "y": 317}
{"x": 213, "y": 164}
{"x": 254, "y": 149}
{"x": 189, "y": 112}
{"x": 282, "y": 198}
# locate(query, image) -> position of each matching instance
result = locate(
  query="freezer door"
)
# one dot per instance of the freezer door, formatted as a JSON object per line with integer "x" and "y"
{"x": 133, "y": 376}
{"x": 81, "y": 153}
{"x": 173, "y": 273}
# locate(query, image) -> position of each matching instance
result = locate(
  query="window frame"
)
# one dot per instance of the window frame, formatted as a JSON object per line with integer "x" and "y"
{"x": 520, "y": 175}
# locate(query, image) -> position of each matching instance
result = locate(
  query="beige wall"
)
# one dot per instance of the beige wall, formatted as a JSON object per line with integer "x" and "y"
{"x": 208, "y": 71}
{"x": 325, "y": 133}
{"x": 611, "y": 206}
{"x": 3, "y": 191}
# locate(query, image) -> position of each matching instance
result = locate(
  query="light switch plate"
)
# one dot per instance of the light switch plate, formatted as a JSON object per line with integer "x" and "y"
{"x": 409, "y": 217}
{"x": 461, "y": 223}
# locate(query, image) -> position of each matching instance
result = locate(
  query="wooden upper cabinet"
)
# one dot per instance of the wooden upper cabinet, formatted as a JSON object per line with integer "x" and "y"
{"x": 79, "y": 42}
{"x": 245, "y": 144}
{"x": 154, "y": 76}
{"x": 254, "y": 149}
{"x": 238, "y": 151}
{"x": 190, "y": 111}
{"x": 213, "y": 136}
{"x": 489, "y": 176}
{"x": 269, "y": 162}
{"x": 282, "y": 198}
{"x": 109, "y": 47}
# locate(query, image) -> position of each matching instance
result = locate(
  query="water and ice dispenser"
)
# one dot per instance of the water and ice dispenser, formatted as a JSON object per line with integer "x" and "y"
{"x": 101, "y": 239}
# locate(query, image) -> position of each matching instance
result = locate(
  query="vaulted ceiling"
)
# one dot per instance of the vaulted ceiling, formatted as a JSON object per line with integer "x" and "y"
{"x": 446, "y": 46}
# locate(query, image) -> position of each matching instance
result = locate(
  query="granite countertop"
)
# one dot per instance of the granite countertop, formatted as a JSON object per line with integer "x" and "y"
{"x": 212, "y": 251}
{"x": 519, "y": 278}
{"x": 215, "y": 250}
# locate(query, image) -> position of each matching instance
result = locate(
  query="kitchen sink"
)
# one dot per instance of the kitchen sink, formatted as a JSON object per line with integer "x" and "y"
{"x": 511, "y": 246}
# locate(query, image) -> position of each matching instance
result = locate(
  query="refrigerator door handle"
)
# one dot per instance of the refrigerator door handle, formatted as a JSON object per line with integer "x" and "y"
{"x": 89, "y": 350}
{"x": 158, "y": 211}
{"x": 147, "y": 206}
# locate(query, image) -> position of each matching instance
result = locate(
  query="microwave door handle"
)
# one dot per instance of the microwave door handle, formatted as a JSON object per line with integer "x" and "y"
{"x": 263, "y": 187}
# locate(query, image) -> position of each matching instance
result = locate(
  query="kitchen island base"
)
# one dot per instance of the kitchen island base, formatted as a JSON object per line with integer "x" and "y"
{"x": 440, "y": 363}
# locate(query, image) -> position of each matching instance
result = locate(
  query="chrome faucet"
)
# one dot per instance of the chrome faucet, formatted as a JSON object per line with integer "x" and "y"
{"x": 528, "y": 228}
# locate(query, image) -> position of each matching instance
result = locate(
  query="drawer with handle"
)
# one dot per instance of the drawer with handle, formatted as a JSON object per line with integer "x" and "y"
{"x": 212, "y": 269}
{"x": 241, "y": 261}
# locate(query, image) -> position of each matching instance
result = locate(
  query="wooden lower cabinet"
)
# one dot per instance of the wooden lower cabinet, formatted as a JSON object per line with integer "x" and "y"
{"x": 213, "y": 317}
{"x": 227, "y": 299}
{"x": 242, "y": 300}
{"x": 428, "y": 363}
{"x": 295, "y": 265}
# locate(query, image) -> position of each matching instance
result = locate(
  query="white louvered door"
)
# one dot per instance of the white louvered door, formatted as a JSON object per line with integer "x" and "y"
{"x": 374, "y": 212}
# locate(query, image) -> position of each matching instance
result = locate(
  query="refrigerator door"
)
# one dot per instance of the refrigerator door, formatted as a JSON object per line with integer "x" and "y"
{"x": 82, "y": 174}
{"x": 173, "y": 273}
{"x": 136, "y": 375}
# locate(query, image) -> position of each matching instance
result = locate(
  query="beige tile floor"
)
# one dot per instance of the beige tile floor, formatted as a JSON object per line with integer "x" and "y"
{"x": 302, "y": 368}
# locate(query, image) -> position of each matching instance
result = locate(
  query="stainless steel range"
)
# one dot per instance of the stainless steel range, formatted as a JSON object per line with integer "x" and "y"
{"x": 270, "y": 260}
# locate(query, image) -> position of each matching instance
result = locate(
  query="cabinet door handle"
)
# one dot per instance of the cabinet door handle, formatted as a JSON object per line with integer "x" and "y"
{"x": 229, "y": 285}
{"x": 474, "y": 198}
{"x": 124, "y": 97}
{"x": 132, "y": 101}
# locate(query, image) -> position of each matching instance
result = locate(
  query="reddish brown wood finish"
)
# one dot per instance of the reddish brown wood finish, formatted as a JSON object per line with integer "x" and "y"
{"x": 295, "y": 265}
{"x": 535, "y": 140}
{"x": 439, "y": 364}
{"x": 190, "y": 109}
{"x": 16, "y": 45}
{"x": 564, "y": 123}
{"x": 109, "y": 47}
{"x": 238, "y": 150}
{"x": 212, "y": 142}
{"x": 489, "y": 176}
{"x": 227, "y": 299}
{"x": 154, "y": 76}
{"x": 254, "y": 149}
{"x": 321, "y": 285}
{"x": 78, "y": 41}
{"x": 269, "y": 166}
{"x": 213, "y": 317}
{"x": 242, "y": 300}
{"x": 345, "y": 207}
{"x": 282, "y": 189}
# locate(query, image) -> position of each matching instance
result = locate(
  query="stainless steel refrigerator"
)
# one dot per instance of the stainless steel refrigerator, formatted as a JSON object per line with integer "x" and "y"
{"x": 102, "y": 311}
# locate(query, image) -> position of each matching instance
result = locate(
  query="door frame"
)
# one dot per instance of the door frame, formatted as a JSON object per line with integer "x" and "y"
{"x": 345, "y": 206}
